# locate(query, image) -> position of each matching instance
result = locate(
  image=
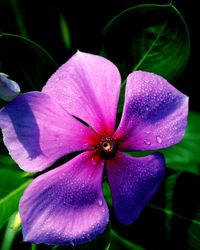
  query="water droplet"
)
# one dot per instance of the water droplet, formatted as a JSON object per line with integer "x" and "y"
{"x": 158, "y": 139}
{"x": 147, "y": 141}
{"x": 100, "y": 201}
{"x": 147, "y": 132}
{"x": 94, "y": 162}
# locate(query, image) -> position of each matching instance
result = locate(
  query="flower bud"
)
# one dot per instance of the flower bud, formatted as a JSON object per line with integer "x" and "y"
{"x": 8, "y": 88}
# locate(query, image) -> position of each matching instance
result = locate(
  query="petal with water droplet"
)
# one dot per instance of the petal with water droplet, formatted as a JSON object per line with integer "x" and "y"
{"x": 65, "y": 206}
{"x": 91, "y": 86}
{"x": 165, "y": 118}
{"x": 133, "y": 181}
{"x": 37, "y": 131}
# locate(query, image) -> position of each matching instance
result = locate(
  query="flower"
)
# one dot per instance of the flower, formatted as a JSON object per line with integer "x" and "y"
{"x": 76, "y": 111}
{"x": 8, "y": 88}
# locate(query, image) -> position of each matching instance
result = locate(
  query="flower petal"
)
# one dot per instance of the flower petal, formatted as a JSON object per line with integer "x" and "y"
{"x": 133, "y": 181}
{"x": 65, "y": 206}
{"x": 37, "y": 131}
{"x": 154, "y": 115}
{"x": 88, "y": 87}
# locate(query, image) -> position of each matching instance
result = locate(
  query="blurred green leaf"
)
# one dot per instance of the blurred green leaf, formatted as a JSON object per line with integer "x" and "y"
{"x": 64, "y": 28}
{"x": 107, "y": 193}
{"x": 33, "y": 246}
{"x": 12, "y": 185}
{"x": 185, "y": 155}
{"x": 19, "y": 18}
{"x": 194, "y": 233}
{"x": 9, "y": 180}
{"x": 10, "y": 233}
{"x": 118, "y": 243}
{"x": 157, "y": 40}
{"x": 6, "y": 160}
{"x": 25, "y": 62}
{"x": 170, "y": 183}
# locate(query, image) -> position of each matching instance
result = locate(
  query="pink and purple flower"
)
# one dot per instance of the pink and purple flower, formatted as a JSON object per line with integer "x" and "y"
{"x": 76, "y": 112}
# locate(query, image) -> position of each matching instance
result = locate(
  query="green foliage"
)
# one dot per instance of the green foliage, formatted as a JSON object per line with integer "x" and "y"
{"x": 64, "y": 28}
{"x": 185, "y": 155}
{"x": 10, "y": 233}
{"x": 182, "y": 210}
{"x": 25, "y": 61}
{"x": 156, "y": 40}
{"x": 119, "y": 243}
{"x": 170, "y": 183}
{"x": 194, "y": 232}
{"x": 107, "y": 193}
{"x": 12, "y": 185}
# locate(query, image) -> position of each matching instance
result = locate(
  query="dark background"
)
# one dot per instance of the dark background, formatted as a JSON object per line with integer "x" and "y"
{"x": 86, "y": 20}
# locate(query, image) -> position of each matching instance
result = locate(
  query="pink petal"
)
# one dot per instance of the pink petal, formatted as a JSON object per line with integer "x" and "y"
{"x": 133, "y": 181}
{"x": 88, "y": 87}
{"x": 154, "y": 115}
{"x": 37, "y": 131}
{"x": 65, "y": 206}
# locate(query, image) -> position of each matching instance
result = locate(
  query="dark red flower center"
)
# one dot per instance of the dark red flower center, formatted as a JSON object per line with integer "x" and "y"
{"x": 107, "y": 146}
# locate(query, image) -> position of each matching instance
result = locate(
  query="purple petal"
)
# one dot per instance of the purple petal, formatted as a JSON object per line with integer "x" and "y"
{"x": 65, "y": 206}
{"x": 154, "y": 115}
{"x": 88, "y": 87}
{"x": 133, "y": 181}
{"x": 37, "y": 131}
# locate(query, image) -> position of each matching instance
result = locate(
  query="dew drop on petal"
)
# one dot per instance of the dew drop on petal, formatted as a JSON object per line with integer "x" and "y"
{"x": 147, "y": 141}
{"x": 100, "y": 201}
{"x": 158, "y": 139}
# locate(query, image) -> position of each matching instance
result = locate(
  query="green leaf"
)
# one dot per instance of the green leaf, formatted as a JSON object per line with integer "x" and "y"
{"x": 64, "y": 28}
{"x": 171, "y": 213}
{"x": 107, "y": 193}
{"x": 194, "y": 233}
{"x": 19, "y": 18}
{"x": 118, "y": 243}
{"x": 7, "y": 161}
{"x": 170, "y": 183}
{"x": 12, "y": 185}
{"x": 10, "y": 233}
{"x": 33, "y": 246}
{"x": 25, "y": 62}
{"x": 185, "y": 155}
{"x": 148, "y": 37}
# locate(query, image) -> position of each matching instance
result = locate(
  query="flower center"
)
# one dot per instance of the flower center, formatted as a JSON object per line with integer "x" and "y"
{"x": 107, "y": 146}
